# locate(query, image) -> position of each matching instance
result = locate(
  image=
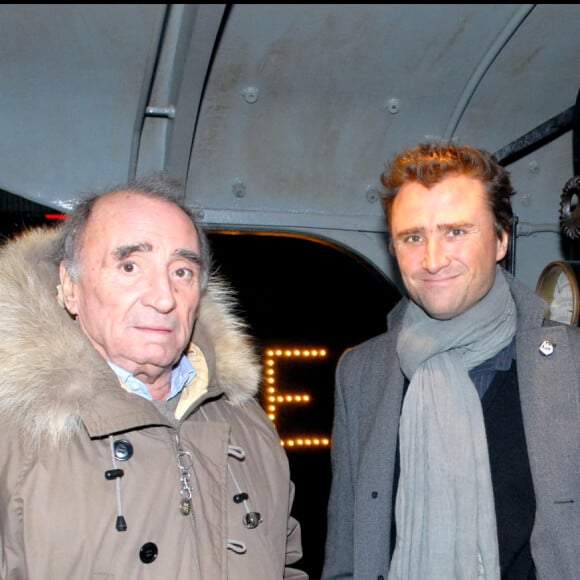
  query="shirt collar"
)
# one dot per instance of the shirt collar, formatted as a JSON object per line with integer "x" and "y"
{"x": 483, "y": 375}
{"x": 180, "y": 376}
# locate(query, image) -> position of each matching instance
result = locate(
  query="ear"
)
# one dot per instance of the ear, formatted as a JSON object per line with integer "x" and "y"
{"x": 68, "y": 287}
{"x": 502, "y": 246}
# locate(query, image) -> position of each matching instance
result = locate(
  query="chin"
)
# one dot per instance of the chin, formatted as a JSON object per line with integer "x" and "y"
{"x": 439, "y": 312}
{"x": 157, "y": 357}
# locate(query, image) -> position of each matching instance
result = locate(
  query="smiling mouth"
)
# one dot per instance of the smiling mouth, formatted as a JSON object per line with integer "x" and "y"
{"x": 447, "y": 278}
{"x": 437, "y": 281}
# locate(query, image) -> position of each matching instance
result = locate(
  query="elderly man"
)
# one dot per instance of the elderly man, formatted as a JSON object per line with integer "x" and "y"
{"x": 132, "y": 445}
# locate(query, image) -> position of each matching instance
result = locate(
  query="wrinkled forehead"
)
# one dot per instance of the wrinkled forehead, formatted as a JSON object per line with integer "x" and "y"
{"x": 127, "y": 217}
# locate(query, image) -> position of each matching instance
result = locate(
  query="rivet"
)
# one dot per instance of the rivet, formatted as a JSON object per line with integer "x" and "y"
{"x": 250, "y": 94}
{"x": 393, "y": 106}
{"x": 239, "y": 188}
{"x": 372, "y": 194}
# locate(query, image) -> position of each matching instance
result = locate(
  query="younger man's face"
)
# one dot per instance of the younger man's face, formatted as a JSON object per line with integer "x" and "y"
{"x": 445, "y": 243}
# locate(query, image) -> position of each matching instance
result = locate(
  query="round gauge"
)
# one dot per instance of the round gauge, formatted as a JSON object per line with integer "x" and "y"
{"x": 558, "y": 286}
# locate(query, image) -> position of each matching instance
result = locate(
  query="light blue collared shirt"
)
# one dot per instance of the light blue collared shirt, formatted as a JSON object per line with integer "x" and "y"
{"x": 483, "y": 375}
{"x": 180, "y": 376}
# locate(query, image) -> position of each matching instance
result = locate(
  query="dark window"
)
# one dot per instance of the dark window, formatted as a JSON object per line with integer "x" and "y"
{"x": 302, "y": 297}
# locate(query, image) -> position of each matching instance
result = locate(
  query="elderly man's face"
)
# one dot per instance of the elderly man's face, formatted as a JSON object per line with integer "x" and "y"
{"x": 139, "y": 286}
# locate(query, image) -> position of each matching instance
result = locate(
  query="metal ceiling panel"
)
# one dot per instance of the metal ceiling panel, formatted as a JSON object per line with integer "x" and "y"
{"x": 282, "y": 116}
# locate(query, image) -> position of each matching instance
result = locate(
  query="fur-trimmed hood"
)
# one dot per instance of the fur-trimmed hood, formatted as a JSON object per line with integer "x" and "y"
{"x": 49, "y": 370}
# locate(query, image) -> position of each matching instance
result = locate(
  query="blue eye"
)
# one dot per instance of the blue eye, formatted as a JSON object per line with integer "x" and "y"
{"x": 413, "y": 239}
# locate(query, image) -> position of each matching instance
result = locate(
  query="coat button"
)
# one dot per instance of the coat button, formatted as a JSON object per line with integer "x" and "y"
{"x": 123, "y": 450}
{"x": 252, "y": 520}
{"x": 148, "y": 552}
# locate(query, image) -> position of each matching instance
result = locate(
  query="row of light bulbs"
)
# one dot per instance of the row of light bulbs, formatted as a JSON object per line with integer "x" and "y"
{"x": 305, "y": 442}
{"x": 275, "y": 398}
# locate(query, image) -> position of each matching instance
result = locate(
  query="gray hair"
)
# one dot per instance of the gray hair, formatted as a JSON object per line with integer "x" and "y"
{"x": 158, "y": 186}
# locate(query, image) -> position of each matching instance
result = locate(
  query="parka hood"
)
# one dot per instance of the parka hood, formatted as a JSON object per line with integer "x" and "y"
{"x": 48, "y": 369}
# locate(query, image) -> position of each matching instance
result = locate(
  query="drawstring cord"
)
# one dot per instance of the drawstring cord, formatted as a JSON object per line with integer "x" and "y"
{"x": 251, "y": 519}
{"x": 117, "y": 474}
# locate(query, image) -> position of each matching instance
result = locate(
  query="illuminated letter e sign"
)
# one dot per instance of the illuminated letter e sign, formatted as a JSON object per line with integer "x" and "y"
{"x": 289, "y": 375}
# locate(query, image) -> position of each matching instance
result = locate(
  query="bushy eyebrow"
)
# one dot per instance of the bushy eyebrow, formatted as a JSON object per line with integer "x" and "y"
{"x": 123, "y": 252}
{"x": 192, "y": 257}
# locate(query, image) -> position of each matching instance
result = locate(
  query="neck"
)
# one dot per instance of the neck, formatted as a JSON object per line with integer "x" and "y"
{"x": 157, "y": 381}
{"x": 159, "y": 388}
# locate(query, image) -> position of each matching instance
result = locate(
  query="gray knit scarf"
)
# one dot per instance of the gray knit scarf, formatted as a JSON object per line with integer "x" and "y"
{"x": 445, "y": 513}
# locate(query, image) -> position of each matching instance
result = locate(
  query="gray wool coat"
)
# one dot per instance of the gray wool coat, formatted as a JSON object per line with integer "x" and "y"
{"x": 368, "y": 398}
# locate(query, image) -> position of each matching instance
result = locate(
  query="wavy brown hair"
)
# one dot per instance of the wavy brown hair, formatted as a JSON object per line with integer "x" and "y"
{"x": 431, "y": 163}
